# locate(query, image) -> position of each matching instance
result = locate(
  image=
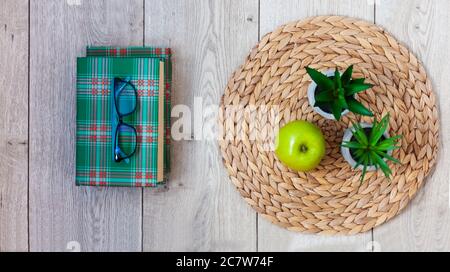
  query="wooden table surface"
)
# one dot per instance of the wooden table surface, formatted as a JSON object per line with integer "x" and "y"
{"x": 41, "y": 209}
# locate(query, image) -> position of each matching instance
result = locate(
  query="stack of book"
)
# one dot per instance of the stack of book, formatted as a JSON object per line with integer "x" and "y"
{"x": 107, "y": 79}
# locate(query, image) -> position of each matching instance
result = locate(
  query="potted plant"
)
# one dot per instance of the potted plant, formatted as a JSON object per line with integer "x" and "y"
{"x": 369, "y": 147}
{"x": 333, "y": 95}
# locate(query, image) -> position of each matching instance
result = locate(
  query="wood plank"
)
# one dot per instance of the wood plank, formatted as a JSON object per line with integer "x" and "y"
{"x": 200, "y": 210}
{"x": 98, "y": 219}
{"x": 421, "y": 25}
{"x": 273, "y": 14}
{"x": 13, "y": 125}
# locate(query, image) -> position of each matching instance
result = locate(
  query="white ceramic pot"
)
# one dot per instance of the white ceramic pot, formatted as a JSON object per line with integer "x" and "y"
{"x": 348, "y": 135}
{"x": 312, "y": 98}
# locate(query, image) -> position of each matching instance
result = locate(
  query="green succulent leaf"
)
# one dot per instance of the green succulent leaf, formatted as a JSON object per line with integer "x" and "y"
{"x": 341, "y": 99}
{"x": 364, "y": 162}
{"x": 353, "y": 145}
{"x": 360, "y": 153}
{"x": 388, "y": 144}
{"x": 354, "y": 88}
{"x": 385, "y": 148}
{"x": 357, "y": 107}
{"x": 340, "y": 90}
{"x": 357, "y": 81}
{"x": 388, "y": 157}
{"x": 382, "y": 164}
{"x": 364, "y": 171}
{"x": 360, "y": 135}
{"x": 347, "y": 76}
{"x": 336, "y": 110}
{"x": 379, "y": 128}
{"x": 320, "y": 79}
{"x": 359, "y": 159}
{"x": 326, "y": 96}
{"x": 337, "y": 79}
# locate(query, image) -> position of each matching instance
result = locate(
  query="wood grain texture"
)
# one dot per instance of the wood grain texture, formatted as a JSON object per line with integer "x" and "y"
{"x": 200, "y": 210}
{"x": 13, "y": 125}
{"x": 99, "y": 219}
{"x": 424, "y": 225}
{"x": 273, "y": 14}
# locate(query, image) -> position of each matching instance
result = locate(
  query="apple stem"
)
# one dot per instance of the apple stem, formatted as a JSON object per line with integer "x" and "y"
{"x": 303, "y": 148}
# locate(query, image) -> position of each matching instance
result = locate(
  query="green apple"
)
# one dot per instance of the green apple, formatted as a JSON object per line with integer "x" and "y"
{"x": 300, "y": 146}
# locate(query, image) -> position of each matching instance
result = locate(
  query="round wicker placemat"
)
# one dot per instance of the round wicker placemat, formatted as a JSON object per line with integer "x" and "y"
{"x": 329, "y": 200}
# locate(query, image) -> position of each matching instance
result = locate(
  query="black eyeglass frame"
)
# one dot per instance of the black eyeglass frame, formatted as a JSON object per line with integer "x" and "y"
{"x": 117, "y": 156}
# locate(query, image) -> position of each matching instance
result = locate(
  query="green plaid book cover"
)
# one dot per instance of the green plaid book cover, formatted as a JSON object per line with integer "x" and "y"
{"x": 145, "y": 52}
{"x": 94, "y": 153}
{"x": 135, "y": 52}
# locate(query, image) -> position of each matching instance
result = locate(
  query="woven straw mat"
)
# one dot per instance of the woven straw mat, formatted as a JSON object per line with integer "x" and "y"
{"x": 270, "y": 89}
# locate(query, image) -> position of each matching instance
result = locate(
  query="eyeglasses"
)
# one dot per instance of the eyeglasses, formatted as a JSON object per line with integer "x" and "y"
{"x": 125, "y": 103}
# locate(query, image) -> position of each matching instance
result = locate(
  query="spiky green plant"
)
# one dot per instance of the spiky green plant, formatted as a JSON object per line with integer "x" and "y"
{"x": 372, "y": 149}
{"x": 338, "y": 93}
